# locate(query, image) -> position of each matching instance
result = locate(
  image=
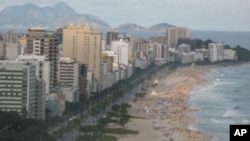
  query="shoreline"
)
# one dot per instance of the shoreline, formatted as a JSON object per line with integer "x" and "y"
{"x": 166, "y": 107}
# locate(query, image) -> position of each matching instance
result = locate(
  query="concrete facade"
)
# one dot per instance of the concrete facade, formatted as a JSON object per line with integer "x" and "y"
{"x": 18, "y": 88}
{"x": 175, "y": 33}
{"x": 83, "y": 44}
{"x": 42, "y": 42}
{"x": 42, "y": 68}
{"x": 216, "y": 52}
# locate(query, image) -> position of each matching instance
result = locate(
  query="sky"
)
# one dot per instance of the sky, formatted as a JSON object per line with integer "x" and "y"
{"x": 231, "y": 15}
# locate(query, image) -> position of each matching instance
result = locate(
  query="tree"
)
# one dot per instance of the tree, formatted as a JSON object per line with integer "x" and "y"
{"x": 205, "y": 43}
{"x": 14, "y": 127}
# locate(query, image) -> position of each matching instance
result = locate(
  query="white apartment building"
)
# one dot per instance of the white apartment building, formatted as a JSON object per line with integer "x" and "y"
{"x": 123, "y": 48}
{"x": 198, "y": 56}
{"x": 230, "y": 54}
{"x": 42, "y": 67}
{"x": 186, "y": 58}
{"x": 68, "y": 78}
{"x": 184, "y": 48}
{"x": 216, "y": 52}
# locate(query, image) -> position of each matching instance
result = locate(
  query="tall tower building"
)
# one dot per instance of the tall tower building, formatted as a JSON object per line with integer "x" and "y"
{"x": 18, "y": 88}
{"x": 41, "y": 42}
{"x": 176, "y": 33}
{"x": 83, "y": 44}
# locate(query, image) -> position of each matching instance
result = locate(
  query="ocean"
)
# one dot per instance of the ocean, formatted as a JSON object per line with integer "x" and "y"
{"x": 224, "y": 101}
{"x": 232, "y": 38}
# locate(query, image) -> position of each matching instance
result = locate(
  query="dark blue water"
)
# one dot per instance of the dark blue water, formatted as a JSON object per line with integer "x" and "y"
{"x": 224, "y": 101}
{"x": 232, "y": 38}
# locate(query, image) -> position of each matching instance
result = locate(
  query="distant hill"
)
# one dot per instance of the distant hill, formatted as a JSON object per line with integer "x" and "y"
{"x": 131, "y": 26}
{"x": 57, "y": 16}
{"x": 161, "y": 27}
{"x": 29, "y": 15}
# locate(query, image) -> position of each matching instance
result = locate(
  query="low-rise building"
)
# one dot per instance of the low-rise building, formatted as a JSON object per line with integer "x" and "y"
{"x": 230, "y": 54}
{"x": 184, "y": 48}
{"x": 203, "y": 51}
{"x": 198, "y": 56}
{"x": 187, "y": 58}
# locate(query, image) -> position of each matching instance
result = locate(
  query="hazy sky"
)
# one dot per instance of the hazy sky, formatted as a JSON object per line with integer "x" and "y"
{"x": 196, "y": 14}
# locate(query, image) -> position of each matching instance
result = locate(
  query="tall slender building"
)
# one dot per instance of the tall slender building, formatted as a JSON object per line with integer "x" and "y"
{"x": 173, "y": 34}
{"x": 83, "y": 44}
{"x": 42, "y": 42}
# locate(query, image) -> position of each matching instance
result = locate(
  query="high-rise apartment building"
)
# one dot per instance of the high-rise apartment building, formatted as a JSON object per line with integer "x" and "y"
{"x": 68, "y": 78}
{"x": 216, "y": 52}
{"x": 42, "y": 42}
{"x": 42, "y": 68}
{"x": 173, "y": 34}
{"x": 18, "y": 88}
{"x": 68, "y": 72}
{"x": 83, "y": 44}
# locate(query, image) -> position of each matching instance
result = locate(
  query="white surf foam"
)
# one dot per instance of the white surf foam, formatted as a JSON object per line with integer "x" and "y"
{"x": 192, "y": 127}
{"x": 229, "y": 113}
{"x": 245, "y": 121}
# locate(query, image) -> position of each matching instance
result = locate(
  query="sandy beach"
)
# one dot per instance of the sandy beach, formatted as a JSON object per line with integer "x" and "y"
{"x": 165, "y": 108}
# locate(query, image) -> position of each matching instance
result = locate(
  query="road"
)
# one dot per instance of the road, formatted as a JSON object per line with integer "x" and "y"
{"x": 91, "y": 120}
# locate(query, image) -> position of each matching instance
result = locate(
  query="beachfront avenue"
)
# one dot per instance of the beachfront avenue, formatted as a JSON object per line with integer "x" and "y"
{"x": 99, "y": 104}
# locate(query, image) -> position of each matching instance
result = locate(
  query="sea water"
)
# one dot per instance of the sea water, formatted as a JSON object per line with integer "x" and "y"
{"x": 232, "y": 38}
{"x": 223, "y": 101}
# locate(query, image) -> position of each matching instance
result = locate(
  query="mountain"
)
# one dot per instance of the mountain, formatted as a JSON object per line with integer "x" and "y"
{"x": 131, "y": 26}
{"x": 161, "y": 27}
{"x": 57, "y": 16}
